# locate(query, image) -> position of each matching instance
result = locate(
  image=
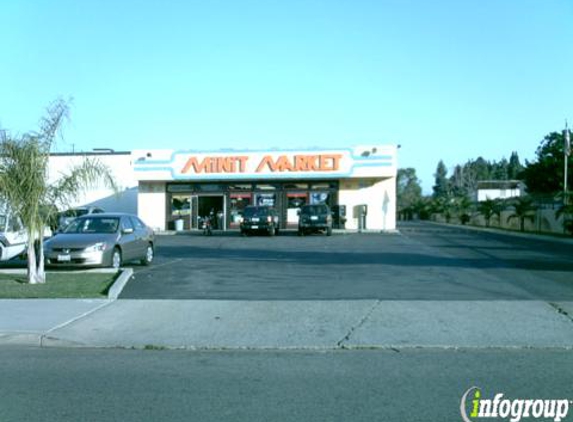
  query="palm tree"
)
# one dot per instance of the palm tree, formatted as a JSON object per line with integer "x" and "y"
{"x": 523, "y": 208}
{"x": 24, "y": 182}
{"x": 487, "y": 209}
{"x": 462, "y": 205}
{"x": 500, "y": 205}
{"x": 491, "y": 207}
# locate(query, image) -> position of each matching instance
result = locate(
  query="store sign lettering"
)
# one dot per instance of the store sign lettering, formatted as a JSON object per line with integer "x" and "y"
{"x": 269, "y": 163}
{"x": 216, "y": 165}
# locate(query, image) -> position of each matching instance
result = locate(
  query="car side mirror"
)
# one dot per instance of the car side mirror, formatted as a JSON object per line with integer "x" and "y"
{"x": 127, "y": 231}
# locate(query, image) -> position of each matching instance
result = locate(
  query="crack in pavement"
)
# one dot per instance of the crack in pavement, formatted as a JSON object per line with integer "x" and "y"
{"x": 46, "y": 334}
{"x": 561, "y": 311}
{"x": 340, "y": 343}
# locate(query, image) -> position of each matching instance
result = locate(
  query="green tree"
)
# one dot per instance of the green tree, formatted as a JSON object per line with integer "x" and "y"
{"x": 500, "y": 170}
{"x": 458, "y": 181}
{"x": 409, "y": 192}
{"x": 545, "y": 174}
{"x": 442, "y": 185}
{"x": 24, "y": 182}
{"x": 462, "y": 206}
{"x": 482, "y": 169}
{"x": 487, "y": 209}
{"x": 443, "y": 205}
{"x": 523, "y": 209}
{"x": 423, "y": 208}
{"x": 514, "y": 168}
{"x": 491, "y": 207}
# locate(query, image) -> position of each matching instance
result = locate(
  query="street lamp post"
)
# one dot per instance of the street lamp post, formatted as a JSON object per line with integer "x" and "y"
{"x": 566, "y": 152}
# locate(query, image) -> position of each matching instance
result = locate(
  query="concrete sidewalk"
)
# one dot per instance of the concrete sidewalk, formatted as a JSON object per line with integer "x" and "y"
{"x": 27, "y": 321}
{"x": 212, "y": 324}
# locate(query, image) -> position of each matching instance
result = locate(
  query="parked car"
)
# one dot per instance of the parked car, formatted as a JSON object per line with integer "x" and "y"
{"x": 106, "y": 239}
{"x": 258, "y": 218}
{"x": 315, "y": 218}
{"x": 13, "y": 236}
{"x": 66, "y": 217}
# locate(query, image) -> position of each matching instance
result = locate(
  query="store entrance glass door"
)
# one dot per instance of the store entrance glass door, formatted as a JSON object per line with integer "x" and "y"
{"x": 212, "y": 206}
{"x": 294, "y": 202}
{"x": 238, "y": 203}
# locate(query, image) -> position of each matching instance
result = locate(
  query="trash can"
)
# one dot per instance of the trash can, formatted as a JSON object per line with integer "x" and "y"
{"x": 360, "y": 212}
{"x": 179, "y": 225}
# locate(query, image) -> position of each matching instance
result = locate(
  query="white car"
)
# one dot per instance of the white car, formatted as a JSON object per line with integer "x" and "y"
{"x": 13, "y": 236}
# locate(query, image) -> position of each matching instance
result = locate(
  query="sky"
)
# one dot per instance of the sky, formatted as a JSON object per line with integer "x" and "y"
{"x": 444, "y": 79}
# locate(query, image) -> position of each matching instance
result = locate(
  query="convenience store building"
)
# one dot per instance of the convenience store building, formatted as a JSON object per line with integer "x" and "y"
{"x": 178, "y": 187}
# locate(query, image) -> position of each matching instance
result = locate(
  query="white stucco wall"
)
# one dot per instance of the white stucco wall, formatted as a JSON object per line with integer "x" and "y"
{"x": 151, "y": 204}
{"x": 484, "y": 194}
{"x": 125, "y": 200}
{"x": 379, "y": 195}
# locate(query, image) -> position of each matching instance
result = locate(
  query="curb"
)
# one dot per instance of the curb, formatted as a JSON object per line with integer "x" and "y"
{"x": 523, "y": 235}
{"x": 91, "y": 270}
{"x": 20, "y": 339}
{"x": 117, "y": 287}
{"x": 233, "y": 231}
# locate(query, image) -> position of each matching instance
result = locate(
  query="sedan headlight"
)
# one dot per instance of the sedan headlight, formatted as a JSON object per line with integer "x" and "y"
{"x": 98, "y": 247}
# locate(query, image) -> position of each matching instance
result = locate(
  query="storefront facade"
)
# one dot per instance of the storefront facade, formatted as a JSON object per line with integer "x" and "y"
{"x": 358, "y": 183}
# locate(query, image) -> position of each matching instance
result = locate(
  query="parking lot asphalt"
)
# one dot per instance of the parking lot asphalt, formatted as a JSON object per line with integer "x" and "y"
{"x": 422, "y": 262}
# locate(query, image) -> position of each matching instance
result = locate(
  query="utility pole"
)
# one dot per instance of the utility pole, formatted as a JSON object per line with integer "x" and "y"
{"x": 566, "y": 152}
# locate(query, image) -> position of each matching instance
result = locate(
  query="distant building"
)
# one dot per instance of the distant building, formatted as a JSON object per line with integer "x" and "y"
{"x": 499, "y": 189}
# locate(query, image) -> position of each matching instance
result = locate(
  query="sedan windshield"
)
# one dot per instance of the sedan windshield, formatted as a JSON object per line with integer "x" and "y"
{"x": 93, "y": 225}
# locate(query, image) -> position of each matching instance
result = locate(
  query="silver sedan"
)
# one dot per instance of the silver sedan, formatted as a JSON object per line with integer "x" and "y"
{"x": 107, "y": 239}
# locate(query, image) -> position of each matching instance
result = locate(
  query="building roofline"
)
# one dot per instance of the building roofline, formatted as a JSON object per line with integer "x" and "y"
{"x": 88, "y": 153}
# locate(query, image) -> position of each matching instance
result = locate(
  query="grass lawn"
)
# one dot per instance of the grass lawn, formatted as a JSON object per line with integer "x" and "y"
{"x": 58, "y": 285}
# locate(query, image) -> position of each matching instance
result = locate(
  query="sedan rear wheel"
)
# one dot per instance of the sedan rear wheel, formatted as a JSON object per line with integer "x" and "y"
{"x": 149, "y": 255}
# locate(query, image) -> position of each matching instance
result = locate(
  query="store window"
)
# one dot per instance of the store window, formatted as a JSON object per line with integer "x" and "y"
{"x": 265, "y": 187}
{"x": 241, "y": 187}
{"x": 180, "y": 206}
{"x": 319, "y": 198}
{"x": 266, "y": 199}
{"x": 297, "y": 186}
{"x": 179, "y": 188}
{"x": 204, "y": 187}
{"x": 324, "y": 186}
{"x": 238, "y": 203}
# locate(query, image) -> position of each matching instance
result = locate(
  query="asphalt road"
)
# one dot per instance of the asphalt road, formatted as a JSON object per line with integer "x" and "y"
{"x": 423, "y": 262}
{"x": 133, "y": 385}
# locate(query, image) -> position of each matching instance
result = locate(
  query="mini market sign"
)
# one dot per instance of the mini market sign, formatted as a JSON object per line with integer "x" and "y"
{"x": 167, "y": 165}
{"x": 268, "y": 164}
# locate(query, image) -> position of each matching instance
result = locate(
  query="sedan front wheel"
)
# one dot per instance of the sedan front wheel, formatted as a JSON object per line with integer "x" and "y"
{"x": 116, "y": 258}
